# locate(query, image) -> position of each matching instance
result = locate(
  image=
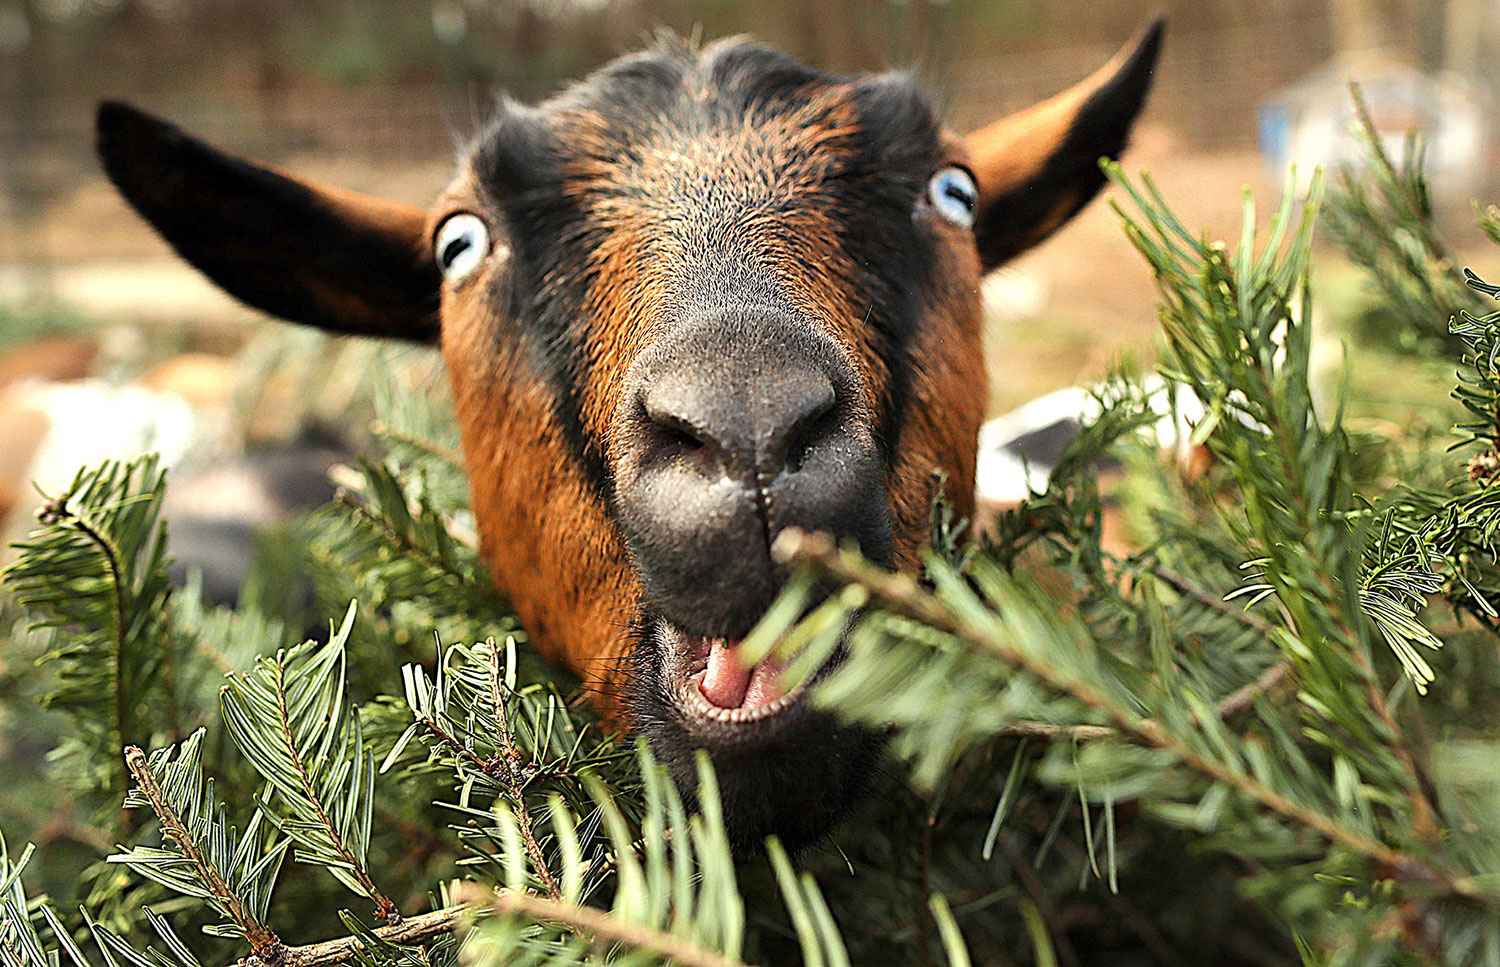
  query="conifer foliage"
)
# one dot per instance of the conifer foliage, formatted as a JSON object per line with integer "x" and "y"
{"x": 1267, "y": 735}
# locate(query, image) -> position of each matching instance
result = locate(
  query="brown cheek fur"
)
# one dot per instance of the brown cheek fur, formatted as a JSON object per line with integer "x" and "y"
{"x": 950, "y": 393}
{"x": 949, "y": 396}
{"x": 552, "y": 549}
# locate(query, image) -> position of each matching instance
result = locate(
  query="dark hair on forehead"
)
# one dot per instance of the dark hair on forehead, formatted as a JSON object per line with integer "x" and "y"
{"x": 677, "y": 85}
{"x": 726, "y": 78}
{"x": 516, "y": 150}
{"x": 674, "y": 82}
{"x": 752, "y": 75}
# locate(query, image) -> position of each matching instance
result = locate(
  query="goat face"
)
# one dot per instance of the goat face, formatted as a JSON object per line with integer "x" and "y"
{"x": 698, "y": 298}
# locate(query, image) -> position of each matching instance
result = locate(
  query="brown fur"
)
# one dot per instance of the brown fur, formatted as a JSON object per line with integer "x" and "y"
{"x": 562, "y": 564}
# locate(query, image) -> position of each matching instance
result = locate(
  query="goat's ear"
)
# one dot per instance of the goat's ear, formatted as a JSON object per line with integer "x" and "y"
{"x": 306, "y": 252}
{"x": 1037, "y": 168}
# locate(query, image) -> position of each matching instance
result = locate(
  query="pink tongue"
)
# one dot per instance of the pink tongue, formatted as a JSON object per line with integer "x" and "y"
{"x": 727, "y": 683}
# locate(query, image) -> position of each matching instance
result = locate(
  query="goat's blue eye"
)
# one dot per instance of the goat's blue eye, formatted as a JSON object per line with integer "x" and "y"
{"x": 953, "y": 194}
{"x": 461, "y": 245}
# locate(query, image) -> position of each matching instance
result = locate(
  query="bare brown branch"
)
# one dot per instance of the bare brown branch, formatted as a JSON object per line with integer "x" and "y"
{"x": 602, "y": 928}
{"x": 596, "y": 925}
{"x": 412, "y": 930}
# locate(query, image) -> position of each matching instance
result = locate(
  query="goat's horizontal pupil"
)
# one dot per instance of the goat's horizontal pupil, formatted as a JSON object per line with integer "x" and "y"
{"x": 454, "y": 249}
{"x": 959, "y": 194}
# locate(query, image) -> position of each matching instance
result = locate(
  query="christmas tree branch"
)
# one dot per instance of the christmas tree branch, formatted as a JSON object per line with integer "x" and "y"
{"x": 515, "y": 776}
{"x": 602, "y": 928}
{"x": 395, "y": 537}
{"x": 263, "y": 941}
{"x": 385, "y": 431}
{"x": 507, "y": 767}
{"x": 1208, "y": 599}
{"x": 596, "y": 925}
{"x": 326, "y": 953}
{"x": 899, "y": 594}
{"x": 384, "y": 908}
{"x": 56, "y": 512}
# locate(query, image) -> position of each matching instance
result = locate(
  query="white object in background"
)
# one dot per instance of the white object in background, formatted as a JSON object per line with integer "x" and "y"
{"x": 1312, "y": 123}
{"x": 1019, "y": 450}
{"x": 93, "y": 421}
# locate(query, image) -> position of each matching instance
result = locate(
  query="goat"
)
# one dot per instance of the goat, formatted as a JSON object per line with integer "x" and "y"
{"x": 701, "y": 296}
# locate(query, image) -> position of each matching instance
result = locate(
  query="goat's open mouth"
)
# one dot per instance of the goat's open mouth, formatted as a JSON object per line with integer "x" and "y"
{"x": 713, "y": 685}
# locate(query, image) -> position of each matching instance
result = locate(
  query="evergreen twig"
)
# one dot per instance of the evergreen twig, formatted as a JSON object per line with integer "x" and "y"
{"x": 292, "y": 720}
{"x": 384, "y": 908}
{"x": 900, "y": 594}
{"x": 513, "y": 772}
{"x": 96, "y": 571}
{"x": 56, "y": 512}
{"x": 417, "y": 442}
{"x": 603, "y": 929}
{"x": 1182, "y": 585}
{"x": 262, "y": 940}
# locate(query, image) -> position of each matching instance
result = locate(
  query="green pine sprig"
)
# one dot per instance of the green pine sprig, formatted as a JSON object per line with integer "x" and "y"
{"x": 291, "y": 719}
{"x": 95, "y": 573}
{"x": 202, "y": 855}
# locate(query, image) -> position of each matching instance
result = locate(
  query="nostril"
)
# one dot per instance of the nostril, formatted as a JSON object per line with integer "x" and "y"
{"x": 813, "y": 418}
{"x": 684, "y": 440}
{"x": 746, "y": 428}
{"x": 673, "y": 438}
{"x": 807, "y": 435}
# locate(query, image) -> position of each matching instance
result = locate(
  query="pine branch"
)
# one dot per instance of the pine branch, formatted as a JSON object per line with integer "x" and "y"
{"x": 54, "y": 513}
{"x": 416, "y": 442}
{"x": 385, "y": 909}
{"x": 1239, "y": 335}
{"x": 19, "y": 944}
{"x": 228, "y": 898}
{"x": 22, "y": 944}
{"x": 902, "y": 596}
{"x": 603, "y": 929}
{"x": 96, "y": 572}
{"x": 594, "y": 925}
{"x": 1183, "y": 586}
{"x": 403, "y": 539}
{"x": 509, "y": 743}
{"x": 899, "y": 594}
{"x": 1382, "y": 217}
{"x": 411, "y": 538}
{"x": 507, "y": 767}
{"x": 515, "y": 771}
{"x": 291, "y": 718}
{"x": 675, "y": 896}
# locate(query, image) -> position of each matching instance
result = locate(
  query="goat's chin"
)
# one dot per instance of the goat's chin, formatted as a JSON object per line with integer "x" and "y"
{"x": 783, "y": 768}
